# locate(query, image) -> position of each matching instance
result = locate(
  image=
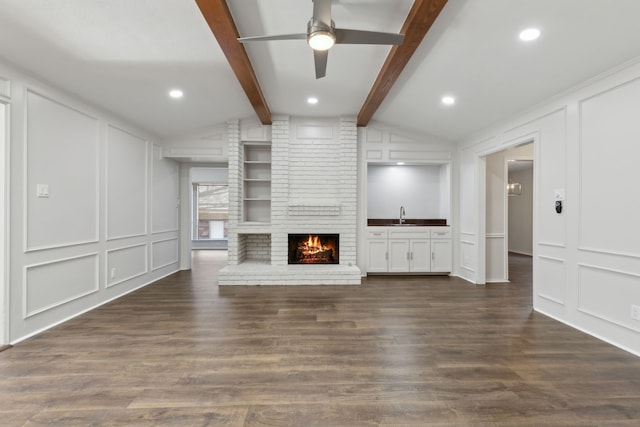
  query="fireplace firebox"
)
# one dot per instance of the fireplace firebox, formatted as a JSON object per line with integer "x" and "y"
{"x": 314, "y": 249}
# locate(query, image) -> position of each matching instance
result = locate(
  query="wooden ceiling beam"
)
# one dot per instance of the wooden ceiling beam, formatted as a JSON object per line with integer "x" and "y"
{"x": 218, "y": 16}
{"x": 422, "y": 15}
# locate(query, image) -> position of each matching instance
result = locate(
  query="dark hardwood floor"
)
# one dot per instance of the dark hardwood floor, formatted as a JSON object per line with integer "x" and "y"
{"x": 428, "y": 351}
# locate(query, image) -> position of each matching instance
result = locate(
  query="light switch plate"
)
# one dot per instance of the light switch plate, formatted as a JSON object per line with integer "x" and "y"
{"x": 42, "y": 190}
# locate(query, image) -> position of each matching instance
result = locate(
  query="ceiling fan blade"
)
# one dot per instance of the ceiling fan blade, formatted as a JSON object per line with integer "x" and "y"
{"x": 268, "y": 38}
{"x": 320, "y": 59}
{"x": 344, "y": 36}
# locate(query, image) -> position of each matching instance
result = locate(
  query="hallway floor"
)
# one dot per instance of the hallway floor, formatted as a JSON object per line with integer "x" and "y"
{"x": 427, "y": 351}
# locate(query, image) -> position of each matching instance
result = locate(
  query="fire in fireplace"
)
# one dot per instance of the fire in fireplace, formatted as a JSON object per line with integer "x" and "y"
{"x": 313, "y": 249}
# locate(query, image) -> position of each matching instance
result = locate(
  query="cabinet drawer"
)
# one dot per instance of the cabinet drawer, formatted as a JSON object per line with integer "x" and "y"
{"x": 441, "y": 233}
{"x": 377, "y": 233}
{"x": 409, "y": 233}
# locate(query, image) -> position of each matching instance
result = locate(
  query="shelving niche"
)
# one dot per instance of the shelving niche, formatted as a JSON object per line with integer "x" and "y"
{"x": 257, "y": 182}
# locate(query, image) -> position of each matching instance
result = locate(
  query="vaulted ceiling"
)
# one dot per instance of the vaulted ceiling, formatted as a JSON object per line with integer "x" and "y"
{"x": 124, "y": 56}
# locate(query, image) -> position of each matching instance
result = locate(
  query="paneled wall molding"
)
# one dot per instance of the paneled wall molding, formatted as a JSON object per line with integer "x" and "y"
{"x": 127, "y": 185}
{"x": 552, "y": 244}
{"x": 547, "y": 282}
{"x": 143, "y": 270}
{"x": 5, "y": 88}
{"x": 191, "y": 152}
{"x": 551, "y": 299}
{"x": 608, "y": 178}
{"x": 609, "y": 252}
{"x": 630, "y": 294}
{"x": 172, "y": 258}
{"x": 606, "y": 90}
{"x": 61, "y": 243}
{"x": 415, "y": 156}
{"x": 41, "y": 308}
{"x": 164, "y": 200}
{"x": 44, "y": 135}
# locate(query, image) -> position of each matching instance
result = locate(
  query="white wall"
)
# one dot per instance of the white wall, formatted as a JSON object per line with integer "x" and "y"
{"x": 416, "y": 187}
{"x": 109, "y": 224}
{"x": 521, "y": 214}
{"x": 586, "y": 262}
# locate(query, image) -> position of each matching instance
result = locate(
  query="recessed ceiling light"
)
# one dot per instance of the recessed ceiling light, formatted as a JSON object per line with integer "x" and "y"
{"x": 400, "y": 163}
{"x": 448, "y": 100}
{"x": 529, "y": 34}
{"x": 176, "y": 93}
{"x": 312, "y": 100}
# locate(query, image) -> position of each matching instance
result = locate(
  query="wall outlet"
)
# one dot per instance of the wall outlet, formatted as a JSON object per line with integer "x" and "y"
{"x": 113, "y": 273}
{"x": 635, "y": 312}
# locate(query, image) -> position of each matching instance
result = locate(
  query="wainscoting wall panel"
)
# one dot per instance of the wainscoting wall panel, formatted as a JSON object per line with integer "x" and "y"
{"x": 595, "y": 284}
{"x": 164, "y": 253}
{"x": 552, "y": 282}
{"x": 61, "y": 191}
{"x": 126, "y": 184}
{"x": 50, "y": 284}
{"x": 165, "y": 193}
{"x": 609, "y": 127}
{"x": 126, "y": 263}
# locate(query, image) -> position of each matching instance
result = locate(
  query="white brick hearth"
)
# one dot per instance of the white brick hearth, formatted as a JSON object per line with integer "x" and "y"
{"x": 313, "y": 190}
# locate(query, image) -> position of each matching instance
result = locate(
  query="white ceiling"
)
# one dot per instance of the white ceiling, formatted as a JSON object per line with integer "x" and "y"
{"x": 124, "y": 55}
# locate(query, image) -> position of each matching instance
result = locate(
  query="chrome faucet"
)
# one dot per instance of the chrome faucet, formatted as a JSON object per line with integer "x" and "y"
{"x": 402, "y": 215}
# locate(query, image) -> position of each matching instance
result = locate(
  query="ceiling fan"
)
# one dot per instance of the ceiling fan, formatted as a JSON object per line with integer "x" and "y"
{"x": 322, "y": 34}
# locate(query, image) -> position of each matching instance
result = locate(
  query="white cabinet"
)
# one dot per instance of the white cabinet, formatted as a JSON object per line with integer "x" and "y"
{"x": 420, "y": 256}
{"x": 377, "y": 250}
{"x": 409, "y": 249}
{"x": 378, "y": 256}
{"x": 398, "y": 255}
{"x": 441, "y": 255}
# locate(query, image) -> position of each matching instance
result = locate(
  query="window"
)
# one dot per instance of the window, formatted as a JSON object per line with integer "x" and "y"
{"x": 211, "y": 211}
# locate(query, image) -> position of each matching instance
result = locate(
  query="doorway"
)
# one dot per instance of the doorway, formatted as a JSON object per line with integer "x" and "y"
{"x": 210, "y": 216}
{"x": 508, "y": 213}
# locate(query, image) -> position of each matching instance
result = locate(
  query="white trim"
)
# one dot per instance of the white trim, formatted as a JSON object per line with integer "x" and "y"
{"x": 551, "y": 244}
{"x": 26, "y": 314}
{"x": 552, "y": 299}
{"x": 609, "y": 252}
{"x": 586, "y": 331}
{"x": 133, "y": 276}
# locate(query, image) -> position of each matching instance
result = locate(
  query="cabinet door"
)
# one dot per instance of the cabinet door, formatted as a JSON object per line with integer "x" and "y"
{"x": 398, "y": 255}
{"x": 420, "y": 255}
{"x": 441, "y": 255}
{"x": 378, "y": 258}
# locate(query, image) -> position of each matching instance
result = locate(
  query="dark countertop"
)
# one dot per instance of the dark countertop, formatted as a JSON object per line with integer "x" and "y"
{"x": 424, "y": 222}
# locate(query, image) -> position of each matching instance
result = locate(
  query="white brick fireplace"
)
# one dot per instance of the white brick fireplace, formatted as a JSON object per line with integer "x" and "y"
{"x": 313, "y": 185}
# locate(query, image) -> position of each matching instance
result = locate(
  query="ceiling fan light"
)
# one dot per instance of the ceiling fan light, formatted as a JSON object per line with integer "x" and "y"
{"x": 321, "y": 40}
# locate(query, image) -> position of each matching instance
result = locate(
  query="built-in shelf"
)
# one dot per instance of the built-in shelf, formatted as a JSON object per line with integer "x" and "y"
{"x": 257, "y": 182}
